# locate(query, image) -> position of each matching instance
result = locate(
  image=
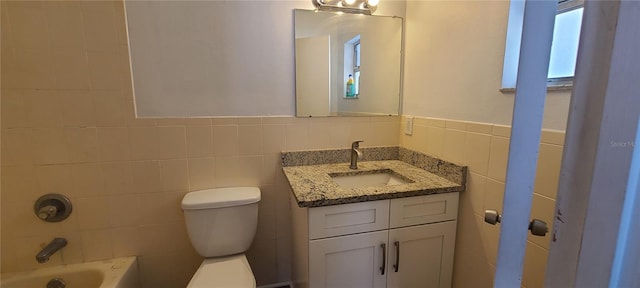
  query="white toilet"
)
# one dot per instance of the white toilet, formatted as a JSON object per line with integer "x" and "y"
{"x": 221, "y": 224}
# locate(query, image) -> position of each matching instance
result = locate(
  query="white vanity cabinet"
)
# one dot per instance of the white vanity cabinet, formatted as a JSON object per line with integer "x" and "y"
{"x": 402, "y": 242}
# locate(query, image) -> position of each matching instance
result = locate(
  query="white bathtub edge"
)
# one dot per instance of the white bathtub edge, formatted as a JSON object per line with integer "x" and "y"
{"x": 117, "y": 273}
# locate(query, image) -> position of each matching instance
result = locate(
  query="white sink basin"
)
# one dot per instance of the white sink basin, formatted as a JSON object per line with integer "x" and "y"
{"x": 371, "y": 179}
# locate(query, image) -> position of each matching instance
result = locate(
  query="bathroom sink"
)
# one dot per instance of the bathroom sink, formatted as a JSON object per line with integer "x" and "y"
{"x": 359, "y": 179}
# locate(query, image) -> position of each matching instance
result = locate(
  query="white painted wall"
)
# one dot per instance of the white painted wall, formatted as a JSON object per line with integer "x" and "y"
{"x": 453, "y": 64}
{"x": 216, "y": 58}
{"x": 453, "y": 59}
{"x": 212, "y": 58}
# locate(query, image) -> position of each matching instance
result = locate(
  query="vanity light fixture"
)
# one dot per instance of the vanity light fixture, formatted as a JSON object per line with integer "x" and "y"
{"x": 349, "y": 6}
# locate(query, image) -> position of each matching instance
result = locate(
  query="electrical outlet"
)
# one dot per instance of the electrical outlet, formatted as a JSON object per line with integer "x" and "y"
{"x": 408, "y": 126}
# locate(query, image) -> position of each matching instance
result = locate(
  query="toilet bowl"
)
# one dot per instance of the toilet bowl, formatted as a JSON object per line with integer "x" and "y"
{"x": 222, "y": 223}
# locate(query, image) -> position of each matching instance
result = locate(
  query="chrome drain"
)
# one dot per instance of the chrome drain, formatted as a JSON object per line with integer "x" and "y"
{"x": 56, "y": 283}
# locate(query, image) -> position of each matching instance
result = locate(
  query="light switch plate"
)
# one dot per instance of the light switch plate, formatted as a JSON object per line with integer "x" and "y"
{"x": 408, "y": 126}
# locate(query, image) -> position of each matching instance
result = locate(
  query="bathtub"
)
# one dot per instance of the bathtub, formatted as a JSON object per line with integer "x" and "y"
{"x": 113, "y": 273}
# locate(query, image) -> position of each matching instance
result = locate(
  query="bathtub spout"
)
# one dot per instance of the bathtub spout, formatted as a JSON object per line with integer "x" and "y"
{"x": 53, "y": 247}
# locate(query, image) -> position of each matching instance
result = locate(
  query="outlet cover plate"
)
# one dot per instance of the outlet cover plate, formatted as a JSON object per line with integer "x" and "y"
{"x": 408, "y": 126}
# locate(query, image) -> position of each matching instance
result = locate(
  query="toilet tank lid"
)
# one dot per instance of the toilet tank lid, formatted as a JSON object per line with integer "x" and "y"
{"x": 220, "y": 198}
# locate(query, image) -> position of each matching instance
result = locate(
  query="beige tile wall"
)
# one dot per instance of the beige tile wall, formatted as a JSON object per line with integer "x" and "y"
{"x": 484, "y": 149}
{"x": 126, "y": 192}
{"x": 68, "y": 126}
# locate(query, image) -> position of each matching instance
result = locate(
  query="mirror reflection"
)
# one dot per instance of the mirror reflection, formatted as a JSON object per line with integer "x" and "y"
{"x": 347, "y": 64}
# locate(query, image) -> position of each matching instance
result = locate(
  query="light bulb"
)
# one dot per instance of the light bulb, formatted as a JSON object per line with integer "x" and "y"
{"x": 348, "y": 2}
{"x": 373, "y": 2}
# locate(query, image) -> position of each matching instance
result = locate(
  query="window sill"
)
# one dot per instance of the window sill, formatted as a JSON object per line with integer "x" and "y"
{"x": 560, "y": 87}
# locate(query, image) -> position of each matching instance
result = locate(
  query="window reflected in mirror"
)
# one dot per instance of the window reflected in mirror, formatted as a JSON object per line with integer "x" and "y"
{"x": 352, "y": 67}
{"x": 347, "y": 64}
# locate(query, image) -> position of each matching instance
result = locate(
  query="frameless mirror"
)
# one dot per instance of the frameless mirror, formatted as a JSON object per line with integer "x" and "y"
{"x": 347, "y": 64}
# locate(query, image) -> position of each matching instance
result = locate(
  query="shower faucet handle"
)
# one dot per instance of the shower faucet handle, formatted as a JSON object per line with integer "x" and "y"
{"x": 52, "y": 207}
{"x": 47, "y": 212}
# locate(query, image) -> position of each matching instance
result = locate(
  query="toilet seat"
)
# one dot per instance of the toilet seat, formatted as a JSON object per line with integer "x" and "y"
{"x": 224, "y": 272}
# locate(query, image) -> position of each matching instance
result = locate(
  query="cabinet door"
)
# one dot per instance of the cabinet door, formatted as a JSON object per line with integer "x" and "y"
{"x": 352, "y": 261}
{"x": 426, "y": 256}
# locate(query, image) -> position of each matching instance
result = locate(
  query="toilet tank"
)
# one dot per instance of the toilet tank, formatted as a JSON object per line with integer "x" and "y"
{"x": 221, "y": 221}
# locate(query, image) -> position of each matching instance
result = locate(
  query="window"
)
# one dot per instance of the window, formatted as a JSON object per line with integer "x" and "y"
{"x": 356, "y": 67}
{"x": 564, "y": 48}
{"x": 351, "y": 67}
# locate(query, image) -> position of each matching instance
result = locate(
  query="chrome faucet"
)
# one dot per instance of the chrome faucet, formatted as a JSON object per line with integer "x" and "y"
{"x": 53, "y": 247}
{"x": 355, "y": 154}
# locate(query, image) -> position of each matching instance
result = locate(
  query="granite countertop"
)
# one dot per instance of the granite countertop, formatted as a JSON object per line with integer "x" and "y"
{"x": 313, "y": 187}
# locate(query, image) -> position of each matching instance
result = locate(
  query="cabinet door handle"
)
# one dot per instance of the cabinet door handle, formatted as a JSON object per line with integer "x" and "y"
{"x": 384, "y": 258}
{"x": 397, "y": 265}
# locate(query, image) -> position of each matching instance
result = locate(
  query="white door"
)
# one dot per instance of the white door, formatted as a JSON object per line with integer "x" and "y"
{"x": 596, "y": 236}
{"x": 595, "y": 177}
{"x": 352, "y": 261}
{"x": 421, "y": 256}
{"x": 535, "y": 50}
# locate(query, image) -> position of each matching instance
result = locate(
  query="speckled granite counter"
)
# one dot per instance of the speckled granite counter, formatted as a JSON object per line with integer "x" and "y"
{"x": 313, "y": 187}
